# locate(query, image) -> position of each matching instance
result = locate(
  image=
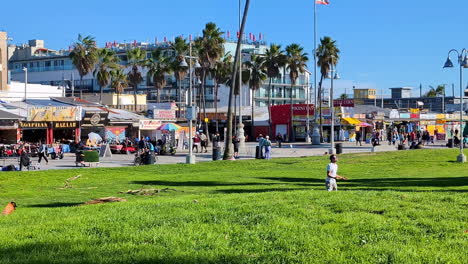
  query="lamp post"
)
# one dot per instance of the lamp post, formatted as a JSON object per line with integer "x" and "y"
{"x": 332, "y": 108}
{"x": 190, "y": 159}
{"x": 25, "y": 82}
{"x": 463, "y": 62}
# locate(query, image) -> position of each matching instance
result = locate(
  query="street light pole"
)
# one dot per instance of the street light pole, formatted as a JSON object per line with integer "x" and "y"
{"x": 463, "y": 63}
{"x": 25, "y": 82}
{"x": 332, "y": 111}
{"x": 190, "y": 159}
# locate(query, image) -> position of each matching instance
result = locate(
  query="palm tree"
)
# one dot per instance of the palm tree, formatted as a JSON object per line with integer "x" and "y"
{"x": 434, "y": 92}
{"x": 327, "y": 54}
{"x": 274, "y": 60}
{"x": 181, "y": 48}
{"x": 210, "y": 49}
{"x": 107, "y": 61}
{"x": 296, "y": 60}
{"x": 221, "y": 74}
{"x": 256, "y": 74}
{"x": 158, "y": 66}
{"x": 135, "y": 58}
{"x": 119, "y": 82}
{"x": 344, "y": 96}
{"x": 84, "y": 57}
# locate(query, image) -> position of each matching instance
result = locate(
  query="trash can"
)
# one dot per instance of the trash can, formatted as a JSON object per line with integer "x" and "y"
{"x": 450, "y": 143}
{"x": 339, "y": 148}
{"x": 216, "y": 153}
{"x": 257, "y": 152}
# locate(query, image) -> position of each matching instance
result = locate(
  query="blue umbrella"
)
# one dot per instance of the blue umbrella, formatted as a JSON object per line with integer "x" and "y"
{"x": 169, "y": 126}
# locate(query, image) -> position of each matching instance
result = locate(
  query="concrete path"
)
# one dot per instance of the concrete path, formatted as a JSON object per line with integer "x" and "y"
{"x": 287, "y": 150}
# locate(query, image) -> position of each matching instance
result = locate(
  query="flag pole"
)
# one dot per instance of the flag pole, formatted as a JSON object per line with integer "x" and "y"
{"x": 316, "y": 132}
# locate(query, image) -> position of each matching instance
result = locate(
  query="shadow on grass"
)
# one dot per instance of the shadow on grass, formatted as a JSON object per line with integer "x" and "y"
{"x": 82, "y": 253}
{"x": 54, "y": 205}
{"x": 382, "y": 182}
{"x": 199, "y": 183}
{"x": 228, "y": 191}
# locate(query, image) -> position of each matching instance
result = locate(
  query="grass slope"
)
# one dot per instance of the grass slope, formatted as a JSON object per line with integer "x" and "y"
{"x": 397, "y": 207}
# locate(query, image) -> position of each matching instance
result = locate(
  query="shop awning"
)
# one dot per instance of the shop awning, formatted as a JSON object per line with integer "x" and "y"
{"x": 351, "y": 121}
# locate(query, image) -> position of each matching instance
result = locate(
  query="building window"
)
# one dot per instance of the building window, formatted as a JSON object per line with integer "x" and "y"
{"x": 47, "y": 64}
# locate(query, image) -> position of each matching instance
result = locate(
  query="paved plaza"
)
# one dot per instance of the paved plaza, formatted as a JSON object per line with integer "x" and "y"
{"x": 287, "y": 150}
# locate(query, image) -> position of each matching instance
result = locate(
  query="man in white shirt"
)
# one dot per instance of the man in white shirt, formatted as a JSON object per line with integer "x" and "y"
{"x": 332, "y": 169}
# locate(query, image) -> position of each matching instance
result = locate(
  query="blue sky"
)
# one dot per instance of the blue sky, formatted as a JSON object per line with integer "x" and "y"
{"x": 383, "y": 43}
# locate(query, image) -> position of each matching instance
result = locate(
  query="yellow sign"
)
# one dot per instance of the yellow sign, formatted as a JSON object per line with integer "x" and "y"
{"x": 414, "y": 110}
{"x": 65, "y": 124}
{"x": 54, "y": 113}
{"x": 206, "y": 119}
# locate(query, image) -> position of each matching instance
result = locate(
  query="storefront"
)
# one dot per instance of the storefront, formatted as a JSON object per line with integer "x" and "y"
{"x": 9, "y": 132}
{"x": 94, "y": 120}
{"x": 51, "y": 124}
{"x": 281, "y": 120}
{"x": 149, "y": 128}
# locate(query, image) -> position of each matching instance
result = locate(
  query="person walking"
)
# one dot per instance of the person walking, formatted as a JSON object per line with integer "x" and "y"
{"x": 332, "y": 174}
{"x": 24, "y": 159}
{"x": 42, "y": 153}
{"x": 267, "y": 145}
{"x": 260, "y": 146}
{"x": 279, "y": 140}
{"x": 196, "y": 142}
{"x": 358, "y": 138}
{"x": 204, "y": 142}
{"x": 236, "y": 143}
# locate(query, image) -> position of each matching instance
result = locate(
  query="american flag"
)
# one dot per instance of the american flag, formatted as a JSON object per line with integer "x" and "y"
{"x": 322, "y": 2}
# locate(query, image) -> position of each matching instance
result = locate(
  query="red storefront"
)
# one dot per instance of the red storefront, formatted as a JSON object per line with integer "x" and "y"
{"x": 281, "y": 119}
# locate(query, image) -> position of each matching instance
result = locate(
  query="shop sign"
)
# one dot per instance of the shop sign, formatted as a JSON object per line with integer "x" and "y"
{"x": 394, "y": 114}
{"x": 54, "y": 113}
{"x": 343, "y": 102}
{"x": 164, "y": 114}
{"x": 71, "y": 124}
{"x": 149, "y": 124}
{"x": 38, "y": 125}
{"x": 405, "y": 115}
{"x": 8, "y": 124}
{"x": 95, "y": 119}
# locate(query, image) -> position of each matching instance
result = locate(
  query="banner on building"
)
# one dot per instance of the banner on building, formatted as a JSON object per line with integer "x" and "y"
{"x": 95, "y": 119}
{"x": 69, "y": 124}
{"x": 343, "y": 102}
{"x": 36, "y": 125}
{"x": 54, "y": 113}
{"x": 149, "y": 124}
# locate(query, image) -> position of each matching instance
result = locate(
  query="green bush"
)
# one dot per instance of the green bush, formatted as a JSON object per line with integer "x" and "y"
{"x": 91, "y": 156}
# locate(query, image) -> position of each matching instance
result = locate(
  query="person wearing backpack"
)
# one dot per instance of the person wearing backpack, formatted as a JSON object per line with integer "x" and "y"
{"x": 267, "y": 146}
{"x": 42, "y": 153}
{"x": 24, "y": 159}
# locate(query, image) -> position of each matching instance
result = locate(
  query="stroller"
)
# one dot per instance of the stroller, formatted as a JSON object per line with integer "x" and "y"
{"x": 56, "y": 152}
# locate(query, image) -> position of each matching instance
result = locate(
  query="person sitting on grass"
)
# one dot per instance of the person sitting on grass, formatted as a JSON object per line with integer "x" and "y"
{"x": 332, "y": 170}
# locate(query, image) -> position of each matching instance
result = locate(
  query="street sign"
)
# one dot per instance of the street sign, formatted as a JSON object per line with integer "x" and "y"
{"x": 191, "y": 113}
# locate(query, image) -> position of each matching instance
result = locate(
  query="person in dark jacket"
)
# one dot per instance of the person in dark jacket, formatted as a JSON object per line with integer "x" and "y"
{"x": 24, "y": 159}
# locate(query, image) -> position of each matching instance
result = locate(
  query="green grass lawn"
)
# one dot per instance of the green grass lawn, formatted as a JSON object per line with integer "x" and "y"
{"x": 397, "y": 207}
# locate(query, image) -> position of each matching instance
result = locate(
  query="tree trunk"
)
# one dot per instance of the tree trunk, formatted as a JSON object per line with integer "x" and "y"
{"x": 180, "y": 96}
{"x": 100, "y": 94}
{"x": 291, "y": 134}
{"x": 135, "y": 88}
{"x": 216, "y": 105}
{"x": 269, "y": 110}
{"x": 228, "y": 151}
{"x": 204, "y": 112}
{"x": 320, "y": 108}
{"x": 81, "y": 87}
{"x": 235, "y": 115}
{"x": 118, "y": 96}
{"x": 253, "y": 119}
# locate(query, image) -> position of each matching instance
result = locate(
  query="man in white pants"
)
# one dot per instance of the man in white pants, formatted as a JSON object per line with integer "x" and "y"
{"x": 332, "y": 169}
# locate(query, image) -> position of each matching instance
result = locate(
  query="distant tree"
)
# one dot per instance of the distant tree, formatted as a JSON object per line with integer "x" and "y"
{"x": 256, "y": 75}
{"x": 434, "y": 92}
{"x": 84, "y": 57}
{"x": 158, "y": 66}
{"x": 119, "y": 82}
{"x": 296, "y": 60}
{"x": 344, "y": 96}
{"x": 327, "y": 54}
{"x": 181, "y": 49}
{"x": 107, "y": 61}
{"x": 274, "y": 61}
{"x": 135, "y": 59}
